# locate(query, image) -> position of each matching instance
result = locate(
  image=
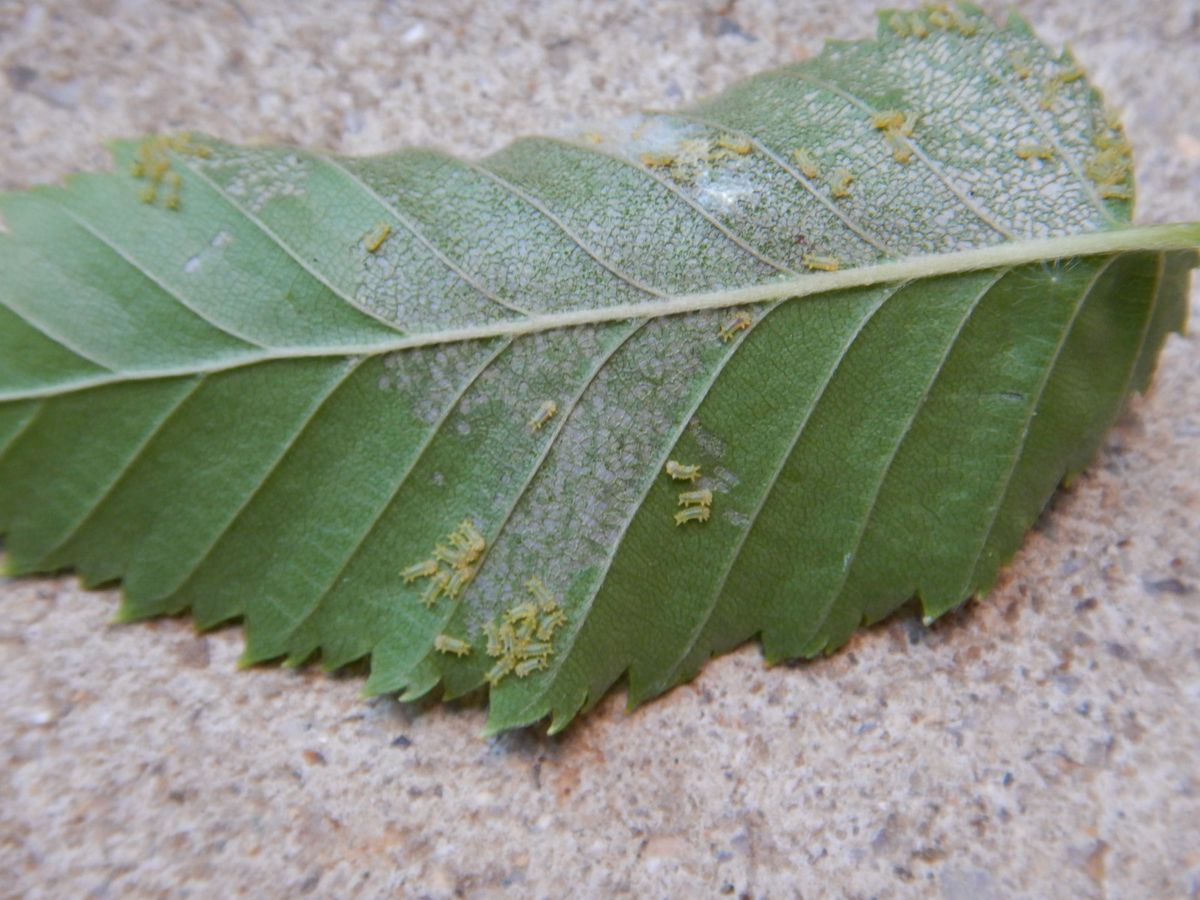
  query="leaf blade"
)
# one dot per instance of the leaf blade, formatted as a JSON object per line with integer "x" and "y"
{"x": 396, "y": 344}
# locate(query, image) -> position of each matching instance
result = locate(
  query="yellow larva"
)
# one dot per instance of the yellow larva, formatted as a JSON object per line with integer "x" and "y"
{"x": 1035, "y": 151}
{"x": 540, "y": 592}
{"x": 740, "y": 322}
{"x": 808, "y": 165}
{"x": 682, "y": 472}
{"x": 436, "y": 588}
{"x": 497, "y": 672}
{"x": 457, "y": 582}
{"x": 444, "y": 643}
{"x": 896, "y": 125}
{"x": 840, "y": 181}
{"x": 901, "y": 149}
{"x": 1019, "y": 59}
{"x": 468, "y": 538}
{"x": 466, "y": 545}
{"x": 1072, "y": 74}
{"x": 521, "y": 642}
{"x": 521, "y": 613}
{"x": 550, "y": 622}
{"x": 888, "y": 120}
{"x": 895, "y": 121}
{"x": 528, "y": 666}
{"x": 1111, "y": 165}
{"x": 375, "y": 238}
{"x": 821, "y": 263}
{"x": 658, "y": 160}
{"x": 462, "y": 549}
{"x": 1112, "y": 140}
{"x": 701, "y": 497}
{"x": 174, "y": 182}
{"x": 692, "y": 514}
{"x": 1113, "y": 192}
{"x": 426, "y": 568}
{"x": 946, "y": 17}
{"x": 966, "y": 27}
{"x": 740, "y": 146}
{"x": 152, "y": 164}
{"x": 547, "y": 411}
{"x": 495, "y": 646}
{"x": 939, "y": 17}
{"x": 1050, "y": 94}
{"x": 898, "y": 22}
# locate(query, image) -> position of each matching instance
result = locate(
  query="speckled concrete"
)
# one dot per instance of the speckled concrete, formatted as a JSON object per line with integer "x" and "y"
{"x": 1042, "y": 743}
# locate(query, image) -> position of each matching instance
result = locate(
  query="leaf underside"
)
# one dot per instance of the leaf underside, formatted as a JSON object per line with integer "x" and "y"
{"x": 268, "y": 402}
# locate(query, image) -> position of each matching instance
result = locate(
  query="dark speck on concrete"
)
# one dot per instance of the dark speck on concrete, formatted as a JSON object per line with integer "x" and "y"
{"x": 309, "y": 884}
{"x": 1120, "y": 651}
{"x": 728, "y": 27}
{"x": 20, "y": 76}
{"x": 1168, "y": 586}
{"x": 402, "y": 741}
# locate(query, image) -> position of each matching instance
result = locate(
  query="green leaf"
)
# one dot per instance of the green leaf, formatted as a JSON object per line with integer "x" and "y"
{"x": 264, "y": 382}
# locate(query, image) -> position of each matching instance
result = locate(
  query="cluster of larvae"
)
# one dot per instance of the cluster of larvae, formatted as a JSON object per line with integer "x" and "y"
{"x": 691, "y": 156}
{"x": 522, "y": 639}
{"x": 697, "y": 504}
{"x": 152, "y": 165}
{"x": 452, "y": 565}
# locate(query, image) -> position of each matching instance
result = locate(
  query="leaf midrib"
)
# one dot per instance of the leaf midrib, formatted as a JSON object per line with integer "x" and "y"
{"x": 1178, "y": 236}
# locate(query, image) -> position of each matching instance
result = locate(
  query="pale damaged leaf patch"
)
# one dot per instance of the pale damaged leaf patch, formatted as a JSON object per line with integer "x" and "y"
{"x": 599, "y": 404}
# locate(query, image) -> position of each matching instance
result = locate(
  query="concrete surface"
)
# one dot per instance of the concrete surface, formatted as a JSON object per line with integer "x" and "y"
{"x": 1041, "y": 743}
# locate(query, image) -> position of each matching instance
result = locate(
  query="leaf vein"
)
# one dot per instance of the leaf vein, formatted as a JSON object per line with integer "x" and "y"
{"x": 570, "y": 406}
{"x": 133, "y": 264}
{"x": 731, "y": 562}
{"x": 670, "y": 186}
{"x": 52, "y": 334}
{"x": 126, "y": 467}
{"x": 565, "y": 653}
{"x": 326, "y": 396}
{"x": 1047, "y": 374}
{"x": 417, "y": 232}
{"x": 980, "y": 213}
{"x": 279, "y": 242}
{"x": 902, "y": 438}
{"x": 537, "y": 204}
{"x": 1147, "y": 237}
{"x": 1050, "y": 135}
{"x": 431, "y": 433}
{"x": 858, "y": 230}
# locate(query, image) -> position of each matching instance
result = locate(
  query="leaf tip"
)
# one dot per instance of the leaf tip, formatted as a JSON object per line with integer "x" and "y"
{"x": 493, "y": 728}
{"x": 126, "y": 613}
{"x": 559, "y": 723}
